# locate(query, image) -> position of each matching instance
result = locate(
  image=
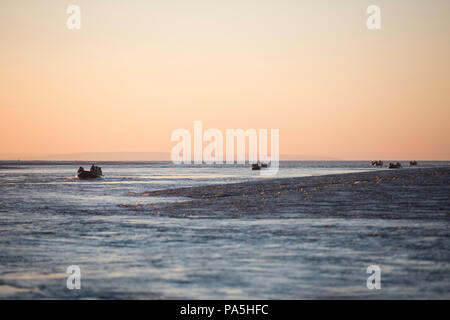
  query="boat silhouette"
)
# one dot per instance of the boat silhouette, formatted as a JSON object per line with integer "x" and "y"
{"x": 94, "y": 173}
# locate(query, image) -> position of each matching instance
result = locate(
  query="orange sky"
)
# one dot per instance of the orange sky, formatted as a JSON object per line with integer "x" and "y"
{"x": 137, "y": 70}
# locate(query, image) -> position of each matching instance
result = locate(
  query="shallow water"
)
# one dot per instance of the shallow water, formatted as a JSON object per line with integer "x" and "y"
{"x": 50, "y": 220}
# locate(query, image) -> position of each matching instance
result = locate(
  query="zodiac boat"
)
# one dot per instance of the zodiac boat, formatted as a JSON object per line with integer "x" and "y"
{"x": 256, "y": 166}
{"x": 94, "y": 173}
{"x": 394, "y": 165}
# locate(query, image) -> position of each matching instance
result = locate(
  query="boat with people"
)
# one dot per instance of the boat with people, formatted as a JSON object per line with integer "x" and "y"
{"x": 413, "y": 163}
{"x": 94, "y": 173}
{"x": 256, "y": 166}
{"x": 378, "y": 163}
{"x": 396, "y": 165}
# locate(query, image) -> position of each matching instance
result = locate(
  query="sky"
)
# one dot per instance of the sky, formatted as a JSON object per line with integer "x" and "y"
{"x": 138, "y": 70}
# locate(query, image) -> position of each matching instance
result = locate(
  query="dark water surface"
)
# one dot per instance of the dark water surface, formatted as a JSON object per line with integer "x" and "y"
{"x": 50, "y": 220}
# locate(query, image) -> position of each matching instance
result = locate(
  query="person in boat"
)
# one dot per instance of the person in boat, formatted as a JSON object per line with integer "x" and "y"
{"x": 394, "y": 165}
{"x": 256, "y": 166}
{"x": 96, "y": 170}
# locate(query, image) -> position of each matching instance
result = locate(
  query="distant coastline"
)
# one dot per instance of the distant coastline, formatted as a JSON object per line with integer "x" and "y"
{"x": 128, "y": 156}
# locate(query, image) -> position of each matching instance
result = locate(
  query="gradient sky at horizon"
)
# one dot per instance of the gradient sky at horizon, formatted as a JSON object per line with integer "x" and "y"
{"x": 137, "y": 70}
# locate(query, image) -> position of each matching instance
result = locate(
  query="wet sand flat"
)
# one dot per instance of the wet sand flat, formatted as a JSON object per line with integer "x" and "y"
{"x": 409, "y": 193}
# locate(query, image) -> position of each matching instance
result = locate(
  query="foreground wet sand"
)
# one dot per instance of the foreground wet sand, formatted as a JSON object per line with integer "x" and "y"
{"x": 416, "y": 193}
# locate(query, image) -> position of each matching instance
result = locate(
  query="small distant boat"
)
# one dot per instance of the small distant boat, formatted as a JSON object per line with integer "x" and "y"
{"x": 263, "y": 165}
{"x": 413, "y": 163}
{"x": 394, "y": 165}
{"x": 94, "y": 173}
{"x": 256, "y": 166}
{"x": 378, "y": 163}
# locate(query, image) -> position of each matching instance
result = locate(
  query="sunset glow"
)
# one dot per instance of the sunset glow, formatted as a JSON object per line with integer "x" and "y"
{"x": 137, "y": 70}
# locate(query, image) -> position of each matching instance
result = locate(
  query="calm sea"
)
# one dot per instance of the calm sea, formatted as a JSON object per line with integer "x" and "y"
{"x": 50, "y": 220}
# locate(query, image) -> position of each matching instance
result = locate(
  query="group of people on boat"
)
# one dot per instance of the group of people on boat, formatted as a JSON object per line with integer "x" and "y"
{"x": 94, "y": 172}
{"x": 396, "y": 165}
{"x": 392, "y": 165}
{"x": 257, "y": 166}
